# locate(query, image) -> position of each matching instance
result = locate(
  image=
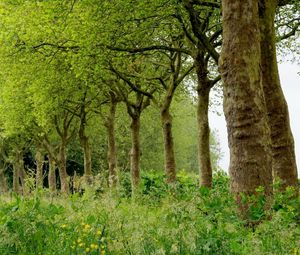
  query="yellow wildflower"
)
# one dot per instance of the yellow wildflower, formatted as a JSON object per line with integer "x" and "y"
{"x": 87, "y": 249}
{"x": 94, "y": 246}
{"x": 63, "y": 226}
{"x": 81, "y": 245}
{"x": 79, "y": 240}
{"x": 87, "y": 226}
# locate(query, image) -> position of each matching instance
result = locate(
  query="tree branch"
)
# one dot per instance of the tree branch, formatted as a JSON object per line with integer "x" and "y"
{"x": 131, "y": 85}
{"x": 150, "y": 48}
{"x": 196, "y": 25}
{"x": 180, "y": 79}
{"x": 206, "y": 3}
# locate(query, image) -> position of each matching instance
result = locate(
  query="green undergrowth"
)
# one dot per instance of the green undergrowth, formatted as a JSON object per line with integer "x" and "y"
{"x": 159, "y": 219}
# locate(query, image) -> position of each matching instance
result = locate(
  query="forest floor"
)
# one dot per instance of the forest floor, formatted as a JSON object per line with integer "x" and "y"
{"x": 178, "y": 220}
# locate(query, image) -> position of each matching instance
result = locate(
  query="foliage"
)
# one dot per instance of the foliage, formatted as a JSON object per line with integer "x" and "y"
{"x": 159, "y": 221}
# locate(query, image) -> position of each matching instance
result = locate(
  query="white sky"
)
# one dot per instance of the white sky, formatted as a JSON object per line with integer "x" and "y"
{"x": 290, "y": 82}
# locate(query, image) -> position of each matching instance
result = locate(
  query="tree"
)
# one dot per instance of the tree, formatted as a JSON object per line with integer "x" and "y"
{"x": 244, "y": 103}
{"x": 283, "y": 152}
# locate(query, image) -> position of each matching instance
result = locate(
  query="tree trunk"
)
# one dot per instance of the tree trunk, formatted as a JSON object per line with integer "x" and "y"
{"x": 51, "y": 175}
{"x": 135, "y": 152}
{"x": 3, "y": 183}
{"x": 39, "y": 161}
{"x": 170, "y": 165}
{"x": 85, "y": 145}
{"x": 205, "y": 169}
{"x": 112, "y": 152}
{"x": 18, "y": 173}
{"x": 22, "y": 176}
{"x": 244, "y": 103}
{"x": 87, "y": 157}
{"x": 63, "y": 168}
{"x": 283, "y": 152}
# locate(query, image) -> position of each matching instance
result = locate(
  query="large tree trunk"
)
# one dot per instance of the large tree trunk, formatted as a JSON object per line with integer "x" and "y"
{"x": 51, "y": 174}
{"x": 205, "y": 169}
{"x": 283, "y": 152}
{"x": 3, "y": 183}
{"x": 39, "y": 161}
{"x": 244, "y": 103}
{"x": 135, "y": 152}
{"x": 170, "y": 165}
{"x": 112, "y": 151}
{"x": 63, "y": 168}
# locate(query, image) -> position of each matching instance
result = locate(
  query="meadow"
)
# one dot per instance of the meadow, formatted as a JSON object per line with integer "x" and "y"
{"x": 158, "y": 219}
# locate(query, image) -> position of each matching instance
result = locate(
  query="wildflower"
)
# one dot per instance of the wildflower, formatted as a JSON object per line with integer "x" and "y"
{"x": 81, "y": 245}
{"x": 99, "y": 232}
{"x": 102, "y": 252}
{"x": 94, "y": 246}
{"x": 87, "y": 226}
{"x": 87, "y": 249}
{"x": 63, "y": 226}
{"x": 79, "y": 240}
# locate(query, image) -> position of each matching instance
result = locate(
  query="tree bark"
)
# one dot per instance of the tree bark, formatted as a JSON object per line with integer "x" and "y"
{"x": 170, "y": 164}
{"x": 112, "y": 151}
{"x": 283, "y": 152}
{"x": 203, "y": 90}
{"x": 51, "y": 175}
{"x": 205, "y": 169}
{"x": 63, "y": 168}
{"x": 39, "y": 161}
{"x": 244, "y": 103}
{"x": 135, "y": 152}
{"x": 3, "y": 183}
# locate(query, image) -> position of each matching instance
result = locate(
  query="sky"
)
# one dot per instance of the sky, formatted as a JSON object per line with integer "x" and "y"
{"x": 290, "y": 82}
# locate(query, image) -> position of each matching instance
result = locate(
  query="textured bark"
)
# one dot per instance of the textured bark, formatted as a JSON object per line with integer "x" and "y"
{"x": 51, "y": 175}
{"x": 283, "y": 152}
{"x": 203, "y": 90}
{"x": 63, "y": 168}
{"x": 135, "y": 152}
{"x": 170, "y": 164}
{"x": 39, "y": 161}
{"x": 244, "y": 103}
{"x": 3, "y": 183}
{"x": 112, "y": 151}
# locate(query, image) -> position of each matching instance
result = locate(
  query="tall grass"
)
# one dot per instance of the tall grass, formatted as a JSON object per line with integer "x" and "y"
{"x": 159, "y": 220}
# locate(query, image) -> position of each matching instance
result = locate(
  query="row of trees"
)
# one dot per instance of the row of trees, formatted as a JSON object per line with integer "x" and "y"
{"x": 65, "y": 64}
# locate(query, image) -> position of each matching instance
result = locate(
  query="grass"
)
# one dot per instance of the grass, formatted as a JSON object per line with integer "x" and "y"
{"x": 160, "y": 220}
